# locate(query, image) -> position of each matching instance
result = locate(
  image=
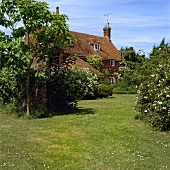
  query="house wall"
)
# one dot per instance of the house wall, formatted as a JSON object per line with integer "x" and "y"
{"x": 112, "y": 69}
{"x": 106, "y": 65}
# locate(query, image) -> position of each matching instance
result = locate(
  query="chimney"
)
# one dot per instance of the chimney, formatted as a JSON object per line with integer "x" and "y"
{"x": 57, "y": 10}
{"x": 131, "y": 48}
{"x": 107, "y": 31}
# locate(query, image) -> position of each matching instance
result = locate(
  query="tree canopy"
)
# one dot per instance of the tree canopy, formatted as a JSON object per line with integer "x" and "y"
{"x": 37, "y": 34}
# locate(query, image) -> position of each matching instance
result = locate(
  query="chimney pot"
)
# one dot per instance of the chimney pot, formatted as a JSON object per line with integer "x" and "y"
{"x": 57, "y": 10}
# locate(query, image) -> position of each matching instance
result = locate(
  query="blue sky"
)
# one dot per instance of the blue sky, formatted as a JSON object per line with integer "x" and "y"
{"x": 138, "y": 23}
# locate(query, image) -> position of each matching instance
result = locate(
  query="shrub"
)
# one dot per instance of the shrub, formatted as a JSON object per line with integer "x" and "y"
{"x": 153, "y": 100}
{"x": 104, "y": 90}
{"x": 123, "y": 88}
{"x": 8, "y": 85}
{"x": 101, "y": 91}
{"x": 12, "y": 108}
{"x": 68, "y": 87}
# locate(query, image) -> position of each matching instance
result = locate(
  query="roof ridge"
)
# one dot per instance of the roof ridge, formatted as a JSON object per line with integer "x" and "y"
{"x": 87, "y": 34}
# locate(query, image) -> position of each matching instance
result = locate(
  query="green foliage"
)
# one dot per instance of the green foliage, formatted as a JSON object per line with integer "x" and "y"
{"x": 95, "y": 61}
{"x": 8, "y": 86}
{"x": 132, "y": 71}
{"x": 104, "y": 90}
{"x": 101, "y": 91}
{"x": 68, "y": 87}
{"x": 12, "y": 108}
{"x": 122, "y": 88}
{"x": 40, "y": 38}
{"x": 153, "y": 101}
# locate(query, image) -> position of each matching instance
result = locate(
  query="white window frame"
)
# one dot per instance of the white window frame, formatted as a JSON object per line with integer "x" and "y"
{"x": 112, "y": 80}
{"x": 112, "y": 63}
{"x": 97, "y": 47}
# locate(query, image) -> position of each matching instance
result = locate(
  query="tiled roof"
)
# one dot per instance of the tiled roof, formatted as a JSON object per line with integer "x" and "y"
{"x": 84, "y": 46}
{"x": 79, "y": 63}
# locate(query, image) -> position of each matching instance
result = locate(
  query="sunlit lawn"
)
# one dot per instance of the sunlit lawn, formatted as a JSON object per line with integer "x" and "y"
{"x": 103, "y": 135}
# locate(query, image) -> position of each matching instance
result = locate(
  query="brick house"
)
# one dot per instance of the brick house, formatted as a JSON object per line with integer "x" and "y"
{"x": 87, "y": 45}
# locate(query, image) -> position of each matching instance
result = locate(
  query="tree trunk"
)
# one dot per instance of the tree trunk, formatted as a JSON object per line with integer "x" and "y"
{"x": 28, "y": 92}
{"x": 28, "y": 84}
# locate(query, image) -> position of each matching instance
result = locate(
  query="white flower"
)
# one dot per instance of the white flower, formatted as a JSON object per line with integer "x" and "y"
{"x": 159, "y": 102}
{"x": 160, "y": 94}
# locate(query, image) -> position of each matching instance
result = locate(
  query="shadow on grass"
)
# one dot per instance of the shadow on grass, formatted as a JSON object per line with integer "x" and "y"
{"x": 111, "y": 97}
{"x": 83, "y": 111}
{"x": 76, "y": 111}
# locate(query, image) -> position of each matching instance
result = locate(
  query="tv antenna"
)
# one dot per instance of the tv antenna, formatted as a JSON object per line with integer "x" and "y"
{"x": 107, "y": 15}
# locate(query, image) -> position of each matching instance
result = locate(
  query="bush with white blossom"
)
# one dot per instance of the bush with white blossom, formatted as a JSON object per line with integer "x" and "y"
{"x": 153, "y": 100}
{"x": 71, "y": 86}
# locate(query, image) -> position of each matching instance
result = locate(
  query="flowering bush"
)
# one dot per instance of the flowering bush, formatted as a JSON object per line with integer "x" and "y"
{"x": 153, "y": 100}
{"x": 68, "y": 87}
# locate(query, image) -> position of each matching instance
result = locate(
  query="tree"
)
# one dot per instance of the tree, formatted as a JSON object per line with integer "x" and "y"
{"x": 95, "y": 61}
{"x": 42, "y": 37}
{"x": 132, "y": 58}
{"x": 11, "y": 69}
{"x": 132, "y": 70}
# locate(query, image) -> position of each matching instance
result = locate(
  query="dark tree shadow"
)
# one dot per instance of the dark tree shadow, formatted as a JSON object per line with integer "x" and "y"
{"x": 75, "y": 111}
{"x": 83, "y": 111}
{"x": 111, "y": 97}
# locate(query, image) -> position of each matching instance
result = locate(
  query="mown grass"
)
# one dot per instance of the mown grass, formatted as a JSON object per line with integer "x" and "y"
{"x": 101, "y": 135}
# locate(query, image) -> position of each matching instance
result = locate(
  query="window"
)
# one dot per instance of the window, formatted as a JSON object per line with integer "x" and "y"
{"x": 112, "y": 80}
{"x": 112, "y": 63}
{"x": 97, "y": 47}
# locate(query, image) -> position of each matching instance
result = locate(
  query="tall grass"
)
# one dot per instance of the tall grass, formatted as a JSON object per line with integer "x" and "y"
{"x": 101, "y": 135}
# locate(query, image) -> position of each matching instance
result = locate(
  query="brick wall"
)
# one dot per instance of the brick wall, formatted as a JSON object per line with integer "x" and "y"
{"x": 111, "y": 69}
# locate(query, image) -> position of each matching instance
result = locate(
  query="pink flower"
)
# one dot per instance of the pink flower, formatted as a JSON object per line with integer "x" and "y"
{"x": 160, "y": 65}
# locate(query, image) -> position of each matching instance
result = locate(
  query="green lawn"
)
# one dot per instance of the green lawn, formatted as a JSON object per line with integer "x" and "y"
{"x": 103, "y": 135}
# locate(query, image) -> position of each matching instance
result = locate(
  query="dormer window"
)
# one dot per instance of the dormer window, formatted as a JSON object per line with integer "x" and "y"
{"x": 97, "y": 47}
{"x": 112, "y": 63}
